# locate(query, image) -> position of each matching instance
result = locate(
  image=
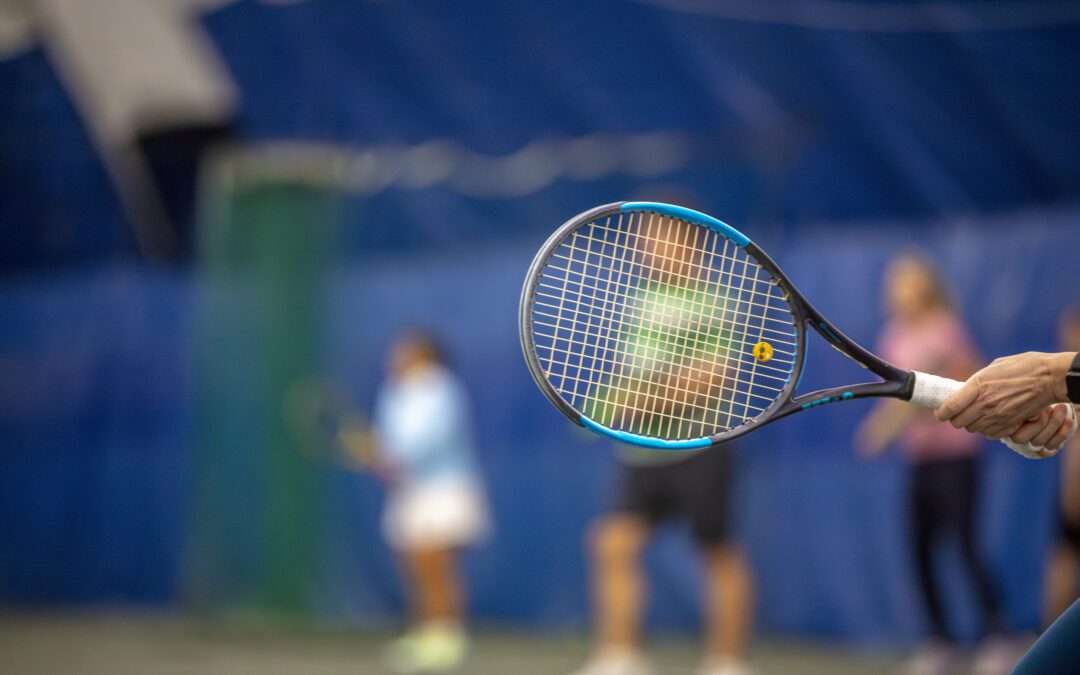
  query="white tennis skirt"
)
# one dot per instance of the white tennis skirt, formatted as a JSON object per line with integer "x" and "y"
{"x": 443, "y": 513}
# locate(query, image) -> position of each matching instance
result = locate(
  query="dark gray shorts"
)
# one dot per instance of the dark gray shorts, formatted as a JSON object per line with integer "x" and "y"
{"x": 698, "y": 488}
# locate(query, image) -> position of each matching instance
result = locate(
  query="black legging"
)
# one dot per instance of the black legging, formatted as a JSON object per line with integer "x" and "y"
{"x": 943, "y": 500}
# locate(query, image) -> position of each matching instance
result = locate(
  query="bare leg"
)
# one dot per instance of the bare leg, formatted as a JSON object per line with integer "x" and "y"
{"x": 435, "y": 584}
{"x": 618, "y": 585}
{"x": 729, "y": 609}
{"x": 1061, "y": 582}
{"x": 437, "y": 641}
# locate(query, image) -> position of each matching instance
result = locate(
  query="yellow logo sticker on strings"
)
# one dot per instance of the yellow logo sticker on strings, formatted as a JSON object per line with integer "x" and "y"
{"x": 763, "y": 351}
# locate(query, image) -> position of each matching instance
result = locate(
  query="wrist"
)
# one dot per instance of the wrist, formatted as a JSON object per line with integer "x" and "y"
{"x": 1070, "y": 382}
{"x": 1059, "y": 366}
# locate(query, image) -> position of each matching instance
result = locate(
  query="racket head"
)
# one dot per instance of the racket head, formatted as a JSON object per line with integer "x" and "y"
{"x": 660, "y": 326}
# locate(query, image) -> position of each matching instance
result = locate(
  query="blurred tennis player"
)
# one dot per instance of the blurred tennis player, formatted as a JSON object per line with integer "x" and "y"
{"x": 657, "y": 485}
{"x": 925, "y": 333}
{"x": 1063, "y": 566}
{"x": 436, "y": 503}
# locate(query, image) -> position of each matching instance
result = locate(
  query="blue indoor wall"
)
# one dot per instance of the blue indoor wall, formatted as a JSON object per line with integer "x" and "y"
{"x": 95, "y": 412}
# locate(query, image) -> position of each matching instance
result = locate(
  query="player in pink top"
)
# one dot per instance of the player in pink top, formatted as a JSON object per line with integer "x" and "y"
{"x": 925, "y": 333}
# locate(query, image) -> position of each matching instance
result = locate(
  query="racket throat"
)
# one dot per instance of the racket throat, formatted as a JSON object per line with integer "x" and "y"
{"x": 900, "y": 388}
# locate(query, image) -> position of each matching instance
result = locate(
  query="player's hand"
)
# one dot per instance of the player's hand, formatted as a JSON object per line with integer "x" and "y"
{"x": 999, "y": 399}
{"x": 1050, "y": 429}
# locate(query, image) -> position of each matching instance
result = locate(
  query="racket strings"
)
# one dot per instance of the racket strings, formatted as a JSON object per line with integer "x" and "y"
{"x": 750, "y": 304}
{"x": 724, "y": 321}
{"x": 685, "y": 282}
{"x": 668, "y": 275}
{"x": 699, "y": 268}
{"x": 730, "y": 317}
{"x": 649, "y": 327}
{"x": 696, "y": 364}
{"x": 650, "y": 390}
{"x": 689, "y": 403}
{"x": 660, "y": 351}
{"x": 624, "y": 375}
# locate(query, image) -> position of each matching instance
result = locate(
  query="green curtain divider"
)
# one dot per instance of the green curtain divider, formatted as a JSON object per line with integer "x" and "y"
{"x": 266, "y": 246}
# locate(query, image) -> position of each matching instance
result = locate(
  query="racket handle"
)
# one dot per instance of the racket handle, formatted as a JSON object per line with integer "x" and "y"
{"x": 930, "y": 391}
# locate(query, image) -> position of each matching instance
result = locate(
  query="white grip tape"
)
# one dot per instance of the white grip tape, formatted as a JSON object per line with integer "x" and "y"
{"x": 930, "y": 391}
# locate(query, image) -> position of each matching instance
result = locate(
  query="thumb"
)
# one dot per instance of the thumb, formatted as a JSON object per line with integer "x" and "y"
{"x": 958, "y": 402}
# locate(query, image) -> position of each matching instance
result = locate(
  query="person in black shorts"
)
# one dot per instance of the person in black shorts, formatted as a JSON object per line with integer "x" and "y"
{"x": 656, "y": 487}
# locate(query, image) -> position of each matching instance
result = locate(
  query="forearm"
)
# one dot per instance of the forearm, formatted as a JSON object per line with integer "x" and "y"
{"x": 890, "y": 417}
{"x": 882, "y": 426}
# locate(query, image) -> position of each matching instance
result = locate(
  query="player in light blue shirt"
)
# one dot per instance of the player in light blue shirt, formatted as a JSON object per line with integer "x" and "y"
{"x": 436, "y": 503}
{"x": 422, "y": 417}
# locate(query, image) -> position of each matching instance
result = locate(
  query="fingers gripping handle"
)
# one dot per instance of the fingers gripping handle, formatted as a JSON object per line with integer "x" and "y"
{"x": 930, "y": 391}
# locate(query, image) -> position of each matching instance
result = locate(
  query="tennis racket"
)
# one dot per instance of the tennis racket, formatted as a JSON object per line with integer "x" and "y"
{"x": 663, "y": 327}
{"x": 327, "y": 426}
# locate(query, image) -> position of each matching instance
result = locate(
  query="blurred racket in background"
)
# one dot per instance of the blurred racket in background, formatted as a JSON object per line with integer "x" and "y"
{"x": 328, "y": 426}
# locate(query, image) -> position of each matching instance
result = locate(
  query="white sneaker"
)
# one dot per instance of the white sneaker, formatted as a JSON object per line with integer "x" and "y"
{"x": 724, "y": 666}
{"x": 934, "y": 658}
{"x": 997, "y": 655}
{"x": 622, "y": 662}
{"x": 428, "y": 649}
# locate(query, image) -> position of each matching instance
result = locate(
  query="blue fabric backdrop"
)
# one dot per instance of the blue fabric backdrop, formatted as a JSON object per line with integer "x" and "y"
{"x": 96, "y": 407}
{"x": 791, "y": 125}
{"x": 834, "y": 148}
